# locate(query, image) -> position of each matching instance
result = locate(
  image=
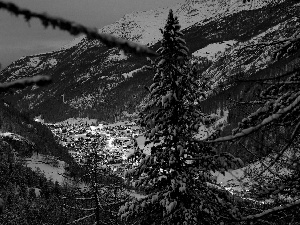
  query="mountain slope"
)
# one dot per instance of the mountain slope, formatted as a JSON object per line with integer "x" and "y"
{"x": 92, "y": 80}
{"x": 20, "y": 133}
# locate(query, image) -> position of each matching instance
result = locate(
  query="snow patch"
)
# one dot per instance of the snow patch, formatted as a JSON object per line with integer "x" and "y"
{"x": 53, "y": 169}
{"x": 52, "y": 62}
{"x": 298, "y": 4}
{"x": 39, "y": 119}
{"x": 83, "y": 77}
{"x": 143, "y": 27}
{"x": 221, "y": 120}
{"x": 130, "y": 74}
{"x": 117, "y": 57}
{"x": 34, "y": 61}
{"x": 16, "y": 137}
{"x": 211, "y": 50}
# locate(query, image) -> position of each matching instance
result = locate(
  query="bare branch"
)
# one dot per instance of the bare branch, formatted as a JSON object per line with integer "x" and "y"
{"x": 270, "y": 78}
{"x": 284, "y": 149}
{"x": 82, "y": 218}
{"x": 25, "y": 82}
{"x": 283, "y": 82}
{"x": 76, "y": 29}
{"x": 83, "y": 209}
{"x": 116, "y": 203}
{"x": 84, "y": 198}
{"x": 267, "y": 167}
{"x": 273, "y": 210}
{"x": 265, "y": 122}
{"x": 247, "y": 103}
{"x": 270, "y": 43}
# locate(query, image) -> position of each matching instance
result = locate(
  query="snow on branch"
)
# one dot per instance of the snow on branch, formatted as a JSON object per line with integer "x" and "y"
{"x": 75, "y": 29}
{"x": 283, "y": 82}
{"x": 288, "y": 45}
{"x": 83, "y": 209}
{"x": 82, "y": 218}
{"x": 269, "y": 43}
{"x": 266, "y": 167}
{"x": 116, "y": 203}
{"x": 265, "y": 122}
{"x": 295, "y": 132}
{"x": 247, "y": 103}
{"x": 24, "y": 82}
{"x": 269, "y": 78}
{"x": 84, "y": 198}
{"x": 273, "y": 210}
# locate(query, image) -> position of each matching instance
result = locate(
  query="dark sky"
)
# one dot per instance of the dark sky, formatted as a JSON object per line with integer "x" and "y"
{"x": 18, "y": 38}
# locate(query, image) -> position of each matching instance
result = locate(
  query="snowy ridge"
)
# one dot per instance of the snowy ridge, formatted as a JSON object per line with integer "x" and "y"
{"x": 16, "y": 137}
{"x": 235, "y": 59}
{"x": 73, "y": 43}
{"x": 143, "y": 27}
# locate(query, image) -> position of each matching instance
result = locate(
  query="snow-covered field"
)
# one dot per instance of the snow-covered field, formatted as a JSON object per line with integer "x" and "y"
{"x": 52, "y": 169}
{"x": 211, "y": 50}
{"x": 234, "y": 180}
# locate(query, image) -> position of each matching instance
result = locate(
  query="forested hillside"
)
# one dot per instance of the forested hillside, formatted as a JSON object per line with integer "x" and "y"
{"x": 92, "y": 80}
{"x": 235, "y": 112}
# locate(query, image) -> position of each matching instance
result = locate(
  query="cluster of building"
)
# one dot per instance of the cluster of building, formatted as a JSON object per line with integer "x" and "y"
{"x": 82, "y": 139}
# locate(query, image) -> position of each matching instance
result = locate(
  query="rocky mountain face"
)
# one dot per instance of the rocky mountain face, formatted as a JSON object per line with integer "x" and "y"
{"x": 95, "y": 81}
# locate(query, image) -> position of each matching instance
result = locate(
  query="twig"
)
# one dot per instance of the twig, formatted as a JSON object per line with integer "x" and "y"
{"x": 82, "y": 218}
{"x": 267, "y": 167}
{"x": 76, "y": 29}
{"x": 284, "y": 149}
{"x": 25, "y": 82}
{"x": 83, "y": 209}
{"x": 273, "y": 210}
{"x": 270, "y": 78}
{"x": 282, "y": 41}
{"x": 265, "y": 122}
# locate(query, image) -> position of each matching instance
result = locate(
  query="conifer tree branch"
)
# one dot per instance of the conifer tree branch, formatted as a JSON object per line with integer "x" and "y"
{"x": 39, "y": 80}
{"x": 76, "y": 29}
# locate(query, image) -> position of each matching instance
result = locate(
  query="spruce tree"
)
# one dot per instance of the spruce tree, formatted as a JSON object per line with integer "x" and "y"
{"x": 176, "y": 173}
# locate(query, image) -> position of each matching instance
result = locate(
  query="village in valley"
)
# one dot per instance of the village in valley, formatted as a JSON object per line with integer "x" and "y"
{"x": 184, "y": 114}
{"x": 122, "y": 140}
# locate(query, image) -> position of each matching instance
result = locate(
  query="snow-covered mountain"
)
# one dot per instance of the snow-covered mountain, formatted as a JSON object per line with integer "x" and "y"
{"x": 142, "y": 27}
{"x": 95, "y": 81}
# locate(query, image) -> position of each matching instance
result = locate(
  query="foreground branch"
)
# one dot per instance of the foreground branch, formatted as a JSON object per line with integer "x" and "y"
{"x": 295, "y": 132}
{"x": 270, "y": 43}
{"x": 265, "y": 122}
{"x": 273, "y": 210}
{"x": 76, "y": 29}
{"x": 266, "y": 167}
{"x": 82, "y": 218}
{"x": 25, "y": 82}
